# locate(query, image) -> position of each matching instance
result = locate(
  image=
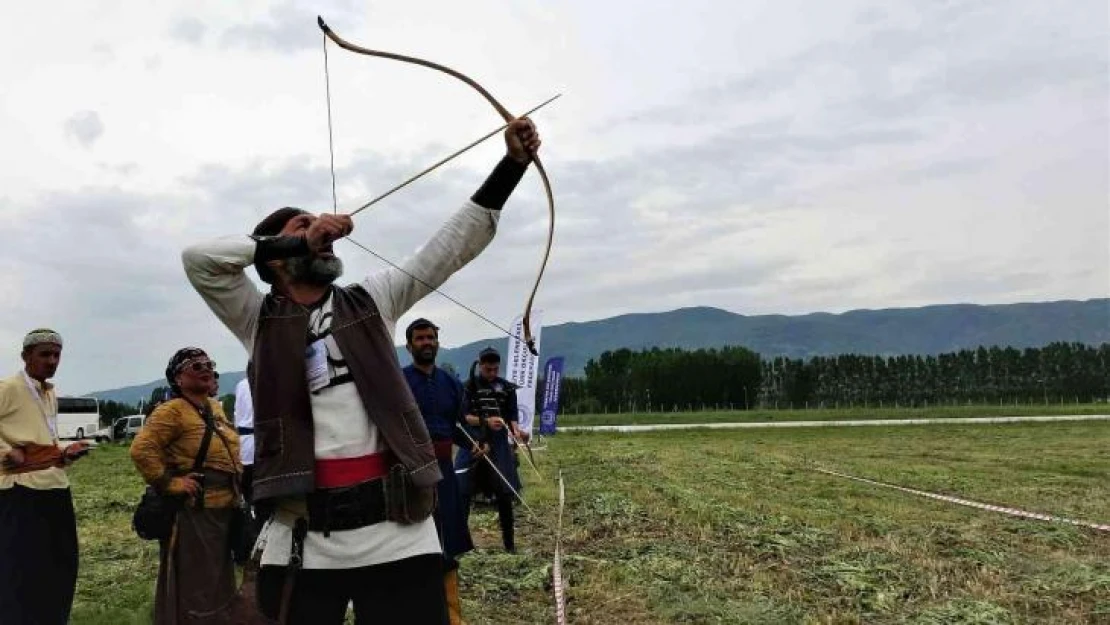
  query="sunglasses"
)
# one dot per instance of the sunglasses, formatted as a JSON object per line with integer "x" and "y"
{"x": 198, "y": 366}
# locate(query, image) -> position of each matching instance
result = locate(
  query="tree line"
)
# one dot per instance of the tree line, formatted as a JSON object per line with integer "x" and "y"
{"x": 737, "y": 378}
{"x": 112, "y": 410}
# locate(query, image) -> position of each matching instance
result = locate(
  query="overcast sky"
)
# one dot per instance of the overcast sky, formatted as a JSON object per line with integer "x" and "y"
{"x": 762, "y": 157}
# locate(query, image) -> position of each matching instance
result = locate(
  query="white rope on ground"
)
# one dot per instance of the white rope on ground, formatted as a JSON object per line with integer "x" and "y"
{"x": 557, "y": 567}
{"x": 1016, "y": 512}
{"x": 827, "y": 424}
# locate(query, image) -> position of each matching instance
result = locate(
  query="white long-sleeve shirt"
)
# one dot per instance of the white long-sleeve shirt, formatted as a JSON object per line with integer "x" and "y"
{"x": 342, "y": 429}
{"x": 244, "y": 418}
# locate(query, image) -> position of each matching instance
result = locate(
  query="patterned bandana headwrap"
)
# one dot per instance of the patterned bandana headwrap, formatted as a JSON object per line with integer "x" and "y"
{"x": 40, "y": 336}
{"x": 178, "y": 360}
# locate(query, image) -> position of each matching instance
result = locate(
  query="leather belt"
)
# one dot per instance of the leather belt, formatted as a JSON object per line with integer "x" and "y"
{"x": 350, "y": 493}
{"x": 346, "y": 508}
{"x": 218, "y": 479}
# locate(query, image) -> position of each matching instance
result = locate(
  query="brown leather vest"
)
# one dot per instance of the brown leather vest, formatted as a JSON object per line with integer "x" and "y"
{"x": 283, "y": 432}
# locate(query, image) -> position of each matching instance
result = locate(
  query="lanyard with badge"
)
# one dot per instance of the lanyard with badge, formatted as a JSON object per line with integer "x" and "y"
{"x": 46, "y": 412}
{"x": 316, "y": 365}
{"x": 316, "y": 355}
{"x": 316, "y": 371}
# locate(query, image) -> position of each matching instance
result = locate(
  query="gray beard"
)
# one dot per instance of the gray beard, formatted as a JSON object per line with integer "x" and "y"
{"x": 314, "y": 270}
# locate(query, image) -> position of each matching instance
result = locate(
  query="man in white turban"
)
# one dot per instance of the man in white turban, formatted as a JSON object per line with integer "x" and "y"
{"x": 38, "y": 528}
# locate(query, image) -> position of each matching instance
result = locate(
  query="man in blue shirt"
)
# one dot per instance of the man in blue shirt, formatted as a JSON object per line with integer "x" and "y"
{"x": 440, "y": 398}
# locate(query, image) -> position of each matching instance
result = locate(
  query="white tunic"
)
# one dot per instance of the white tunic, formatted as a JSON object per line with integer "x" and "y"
{"x": 341, "y": 427}
{"x": 244, "y": 418}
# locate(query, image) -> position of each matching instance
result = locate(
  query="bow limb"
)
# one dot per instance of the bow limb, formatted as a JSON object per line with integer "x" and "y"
{"x": 529, "y": 340}
{"x": 531, "y": 458}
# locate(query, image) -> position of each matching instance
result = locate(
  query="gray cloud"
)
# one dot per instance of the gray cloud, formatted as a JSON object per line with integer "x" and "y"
{"x": 123, "y": 169}
{"x": 288, "y": 27}
{"x": 84, "y": 127}
{"x": 973, "y": 282}
{"x": 943, "y": 169}
{"x": 188, "y": 30}
{"x": 103, "y": 53}
{"x": 955, "y": 55}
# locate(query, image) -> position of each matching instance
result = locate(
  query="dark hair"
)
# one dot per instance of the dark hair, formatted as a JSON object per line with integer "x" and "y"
{"x": 419, "y": 324}
{"x": 268, "y": 227}
{"x": 489, "y": 354}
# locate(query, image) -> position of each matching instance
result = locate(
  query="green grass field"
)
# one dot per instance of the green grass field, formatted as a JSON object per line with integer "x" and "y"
{"x": 831, "y": 414}
{"x": 735, "y": 527}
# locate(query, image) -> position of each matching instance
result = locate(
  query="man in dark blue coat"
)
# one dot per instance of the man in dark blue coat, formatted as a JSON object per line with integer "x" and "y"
{"x": 490, "y": 407}
{"x": 439, "y": 396}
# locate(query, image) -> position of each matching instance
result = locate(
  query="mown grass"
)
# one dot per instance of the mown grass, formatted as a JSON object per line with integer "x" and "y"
{"x": 831, "y": 414}
{"x": 735, "y": 527}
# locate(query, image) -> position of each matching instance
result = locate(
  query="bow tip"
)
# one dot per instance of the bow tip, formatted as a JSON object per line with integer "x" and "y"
{"x": 531, "y": 343}
{"x": 320, "y": 22}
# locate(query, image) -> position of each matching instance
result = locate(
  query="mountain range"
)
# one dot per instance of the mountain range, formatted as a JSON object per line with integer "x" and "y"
{"x": 887, "y": 332}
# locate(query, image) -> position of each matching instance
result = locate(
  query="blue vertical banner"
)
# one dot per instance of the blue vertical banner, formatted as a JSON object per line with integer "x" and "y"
{"x": 552, "y": 383}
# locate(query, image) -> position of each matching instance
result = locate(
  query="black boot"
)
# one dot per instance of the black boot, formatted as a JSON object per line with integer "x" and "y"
{"x": 505, "y": 518}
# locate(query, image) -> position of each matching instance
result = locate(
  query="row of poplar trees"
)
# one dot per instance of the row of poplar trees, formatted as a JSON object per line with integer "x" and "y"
{"x": 738, "y": 378}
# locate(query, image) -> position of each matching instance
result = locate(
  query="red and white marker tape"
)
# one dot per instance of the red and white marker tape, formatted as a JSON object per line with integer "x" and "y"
{"x": 557, "y": 567}
{"x": 1016, "y": 512}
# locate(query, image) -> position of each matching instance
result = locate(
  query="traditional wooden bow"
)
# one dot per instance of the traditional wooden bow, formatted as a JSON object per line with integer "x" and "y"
{"x": 529, "y": 340}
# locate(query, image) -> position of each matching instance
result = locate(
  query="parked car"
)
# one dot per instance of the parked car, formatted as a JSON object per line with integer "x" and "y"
{"x": 103, "y": 435}
{"x": 127, "y": 427}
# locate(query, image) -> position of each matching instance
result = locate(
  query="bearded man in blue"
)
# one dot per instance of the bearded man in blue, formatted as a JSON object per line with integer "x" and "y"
{"x": 439, "y": 395}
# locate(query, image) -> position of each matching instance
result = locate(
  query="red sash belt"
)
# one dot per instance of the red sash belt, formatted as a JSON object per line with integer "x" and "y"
{"x": 443, "y": 448}
{"x": 340, "y": 472}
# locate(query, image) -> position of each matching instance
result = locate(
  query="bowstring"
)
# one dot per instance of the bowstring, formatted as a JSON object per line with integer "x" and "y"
{"x": 457, "y": 302}
{"x": 331, "y": 139}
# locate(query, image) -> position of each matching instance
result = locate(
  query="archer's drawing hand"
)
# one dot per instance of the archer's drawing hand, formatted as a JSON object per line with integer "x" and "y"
{"x": 326, "y": 229}
{"x": 495, "y": 423}
{"x": 522, "y": 140}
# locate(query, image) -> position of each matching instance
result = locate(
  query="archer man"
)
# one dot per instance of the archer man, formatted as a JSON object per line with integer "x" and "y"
{"x": 343, "y": 462}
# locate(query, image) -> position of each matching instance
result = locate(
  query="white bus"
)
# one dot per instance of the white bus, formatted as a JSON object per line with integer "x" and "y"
{"x": 78, "y": 417}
